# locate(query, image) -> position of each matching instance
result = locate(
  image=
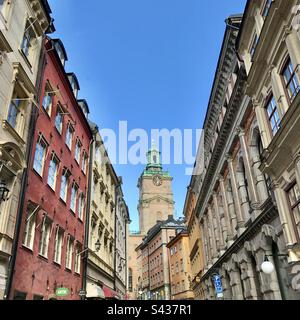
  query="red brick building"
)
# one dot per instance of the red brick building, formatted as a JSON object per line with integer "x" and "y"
{"x": 53, "y": 222}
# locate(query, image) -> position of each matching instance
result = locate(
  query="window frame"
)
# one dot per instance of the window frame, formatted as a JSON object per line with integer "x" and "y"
{"x": 286, "y": 84}
{"x": 44, "y": 240}
{"x": 58, "y": 245}
{"x": 275, "y": 110}
{"x": 70, "y": 129}
{"x": 40, "y": 140}
{"x": 76, "y": 188}
{"x": 54, "y": 158}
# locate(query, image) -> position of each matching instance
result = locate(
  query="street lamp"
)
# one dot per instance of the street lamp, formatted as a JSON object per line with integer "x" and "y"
{"x": 4, "y": 191}
{"x": 97, "y": 248}
{"x": 267, "y": 266}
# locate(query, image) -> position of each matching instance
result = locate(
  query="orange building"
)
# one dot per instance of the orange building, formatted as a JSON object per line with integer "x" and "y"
{"x": 195, "y": 239}
{"x": 180, "y": 267}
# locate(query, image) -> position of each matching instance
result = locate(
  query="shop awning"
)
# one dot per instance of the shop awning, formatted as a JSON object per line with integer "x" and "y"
{"x": 110, "y": 294}
{"x": 94, "y": 291}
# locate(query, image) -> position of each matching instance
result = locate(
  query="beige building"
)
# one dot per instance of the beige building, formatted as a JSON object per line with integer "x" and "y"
{"x": 122, "y": 222}
{"x": 155, "y": 282}
{"x": 22, "y": 28}
{"x": 180, "y": 266}
{"x": 101, "y": 253}
{"x": 247, "y": 204}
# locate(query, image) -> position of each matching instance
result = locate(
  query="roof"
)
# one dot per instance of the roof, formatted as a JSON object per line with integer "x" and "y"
{"x": 170, "y": 223}
{"x": 183, "y": 233}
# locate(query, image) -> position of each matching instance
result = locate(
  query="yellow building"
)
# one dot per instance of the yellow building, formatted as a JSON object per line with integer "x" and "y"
{"x": 102, "y": 254}
{"x": 22, "y": 28}
{"x": 180, "y": 267}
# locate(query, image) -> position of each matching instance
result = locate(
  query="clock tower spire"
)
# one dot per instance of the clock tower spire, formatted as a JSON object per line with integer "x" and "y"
{"x": 156, "y": 197}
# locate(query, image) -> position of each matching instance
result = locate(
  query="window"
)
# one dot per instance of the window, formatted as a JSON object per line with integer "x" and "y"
{"x": 84, "y": 162}
{"x": 28, "y": 40}
{"x": 73, "y": 197}
{"x": 69, "y": 136}
{"x": 59, "y": 119}
{"x": 130, "y": 278}
{"x": 44, "y": 239}
{"x": 181, "y": 263}
{"x": 29, "y": 231}
{"x": 64, "y": 185}
{"x": 77, "y": 258}
{"x": 13, "y": 111}
{"x": 267, "y": 8}
{"x": 177, "y": 267}
{"x": 58, "y": 245}
{"x": 52, "y": 174}
{"x": 253, "y": 46}
{"x": 291, "y": 80}
{"x": 81, "y": 204}
{"x": 294, "y": 197}
{"x": 40, "y": 154}
{"x": 69, "y": 254}
{"x": 48, "y": 98}
{"x": 273, "y": 115}
{"x": 77, "y": 150}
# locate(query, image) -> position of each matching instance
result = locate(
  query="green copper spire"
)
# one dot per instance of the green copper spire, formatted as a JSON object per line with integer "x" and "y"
{"x": 153, "y": 157}
{"x": 154, "y": 165}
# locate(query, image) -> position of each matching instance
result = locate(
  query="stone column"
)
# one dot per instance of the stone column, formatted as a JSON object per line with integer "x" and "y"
{"x": 278, "y": 91}
{"x": 205, "y": 242}
{"x": 237, "y": 204}
{"x": 293, "y": 45}
{"x": 209, "y": 242}
{"x": 259, "y": 176}
{"x": 285, "y": 219}
{"x": 226, "y": 210}
{"x": 297, "y": 168}
{"x": 249, "y": 174}
{"x": 263, "y": 124}
{"x": 231, "y": 210}
{"x": 212, "y": 235}
{"x": 221, "y": 223}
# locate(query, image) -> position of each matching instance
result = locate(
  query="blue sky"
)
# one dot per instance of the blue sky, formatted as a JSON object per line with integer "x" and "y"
{"x": 148, "y": 62}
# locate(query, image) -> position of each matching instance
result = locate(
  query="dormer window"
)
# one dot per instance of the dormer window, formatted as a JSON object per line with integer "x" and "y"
{"x": 61, "y": 52}
{"x": 74, "y": 84}
{"x": 84, "y": 107}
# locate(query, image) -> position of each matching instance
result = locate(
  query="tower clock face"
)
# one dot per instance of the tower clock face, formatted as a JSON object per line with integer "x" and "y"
{"x": 157, "y": 180}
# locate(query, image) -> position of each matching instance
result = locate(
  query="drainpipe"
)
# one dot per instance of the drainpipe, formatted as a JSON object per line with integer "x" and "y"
{"x": 88, "y": 212}
{"x": 30, "y": 139}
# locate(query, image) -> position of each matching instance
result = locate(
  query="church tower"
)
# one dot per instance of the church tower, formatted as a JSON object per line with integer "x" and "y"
{"x": 156, "y": 197}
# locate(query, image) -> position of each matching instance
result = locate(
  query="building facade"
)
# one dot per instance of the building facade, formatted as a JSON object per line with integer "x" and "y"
{"x": 193, "y": 225}
{"x": 154, "y": 261}
{"x": 101, "y": 242}
{"x": 53, "y": 221}
{"x": 180, "y": 266}
{"x": 155, "y": 204}
{"x": 22, "y": 27}
{"x": 121, "y": 237}
{"x": 244, "y": 214}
